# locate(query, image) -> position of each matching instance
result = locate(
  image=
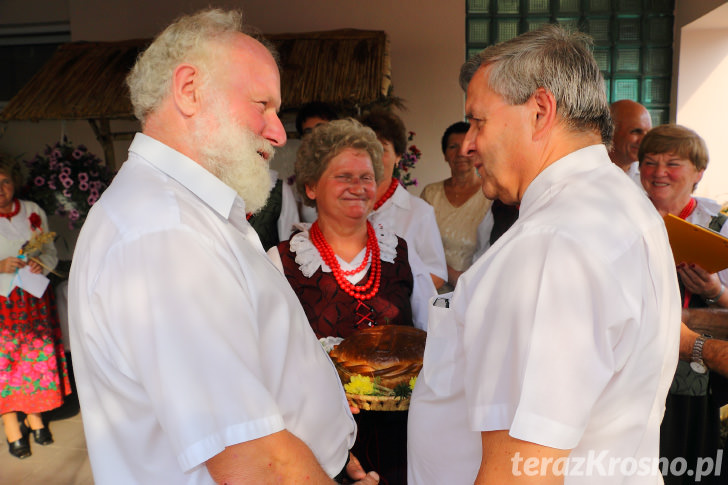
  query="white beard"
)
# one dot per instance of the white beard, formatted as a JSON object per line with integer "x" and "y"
{"x": 233, "y": 154}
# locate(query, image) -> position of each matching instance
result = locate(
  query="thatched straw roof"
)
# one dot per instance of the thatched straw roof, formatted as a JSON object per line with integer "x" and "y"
{"x": 341, "y": 67}
{"x": 85, "y": 80}
{"x": 82, "y": 80}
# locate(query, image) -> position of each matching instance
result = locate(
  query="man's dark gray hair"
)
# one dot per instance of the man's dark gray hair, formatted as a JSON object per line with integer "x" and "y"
{"x": 551, "y": 58}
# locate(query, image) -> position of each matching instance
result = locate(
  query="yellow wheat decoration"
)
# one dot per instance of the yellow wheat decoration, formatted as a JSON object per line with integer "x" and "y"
{"x": 34, "y": 247}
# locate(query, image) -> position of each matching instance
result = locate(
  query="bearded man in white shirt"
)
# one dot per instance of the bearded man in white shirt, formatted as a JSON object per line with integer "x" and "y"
{"x": 194, "y": 361}
{"x": 553, "y": 360}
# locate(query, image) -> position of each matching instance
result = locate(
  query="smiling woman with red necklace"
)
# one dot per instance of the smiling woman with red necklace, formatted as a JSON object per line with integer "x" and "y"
{"x": 349, "y": 273}
{"x": 33, "y": 373}
{"x": 672, "y": 160}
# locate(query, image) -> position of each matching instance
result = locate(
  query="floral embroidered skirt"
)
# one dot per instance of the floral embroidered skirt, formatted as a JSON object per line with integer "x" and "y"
{"x": 33, "y": 371}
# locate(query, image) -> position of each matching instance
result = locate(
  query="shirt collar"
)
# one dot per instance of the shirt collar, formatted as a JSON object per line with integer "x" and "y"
{"x": 400, "y": 198}
{"x": 210, "y": 189}
{"x": 553, "y": 176}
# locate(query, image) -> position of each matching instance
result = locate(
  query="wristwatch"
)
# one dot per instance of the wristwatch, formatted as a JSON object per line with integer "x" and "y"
{"x": 697, "y": 363}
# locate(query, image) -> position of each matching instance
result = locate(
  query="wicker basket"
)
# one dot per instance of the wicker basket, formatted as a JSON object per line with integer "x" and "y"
{"x": 379, "y": 403}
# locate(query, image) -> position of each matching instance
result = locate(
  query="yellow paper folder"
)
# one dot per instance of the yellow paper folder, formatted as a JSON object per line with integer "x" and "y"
{"x": 695, "y": 244}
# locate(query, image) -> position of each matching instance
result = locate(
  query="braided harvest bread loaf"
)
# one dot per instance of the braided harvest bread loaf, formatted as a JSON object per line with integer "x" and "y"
{"x": 392, "y": 353}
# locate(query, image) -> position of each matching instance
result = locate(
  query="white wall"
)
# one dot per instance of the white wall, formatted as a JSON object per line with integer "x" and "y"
{"x": 33, "y": 11}
{"x": 701, "y": 103}
{"x": 686, "y": 11}
{"x": 427, "y": 45}
{"x": 427, "y": 48}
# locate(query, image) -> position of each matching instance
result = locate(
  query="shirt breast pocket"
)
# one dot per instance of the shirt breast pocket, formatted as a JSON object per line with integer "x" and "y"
{"x": 440, "y": 363}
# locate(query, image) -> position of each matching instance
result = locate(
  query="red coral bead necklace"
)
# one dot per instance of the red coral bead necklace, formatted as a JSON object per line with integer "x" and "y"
{"x": 688, "y": 209}
{"x": 371, "y": 287}
{"x": 12, "y": 213}
{"x": 388, "y": 194}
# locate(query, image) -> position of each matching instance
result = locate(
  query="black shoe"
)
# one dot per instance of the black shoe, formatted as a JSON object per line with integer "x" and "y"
{"x": 42, "y": 436}
{"x": 20, "y": 448}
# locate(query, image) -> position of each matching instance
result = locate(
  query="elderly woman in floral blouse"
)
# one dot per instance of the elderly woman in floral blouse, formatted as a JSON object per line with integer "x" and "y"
{"x": 33, "y": 373}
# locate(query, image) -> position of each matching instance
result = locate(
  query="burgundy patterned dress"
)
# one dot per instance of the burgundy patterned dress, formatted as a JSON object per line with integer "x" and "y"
{"x": 334, "y": 313}
{"x": 381, "y": 441}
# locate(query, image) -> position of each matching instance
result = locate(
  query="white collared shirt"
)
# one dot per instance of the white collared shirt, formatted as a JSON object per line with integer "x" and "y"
{"x": 633, "y": 172}
{"x": 186, "y": 339}
{"x": 413, "y": 219}
{"x": 565, "y": 332}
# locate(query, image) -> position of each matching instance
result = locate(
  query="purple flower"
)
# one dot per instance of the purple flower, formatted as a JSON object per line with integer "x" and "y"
{"x": 77, "y": 154}
{"x": 38, "y": 181}
{"x": 66, "y": 171}
{"x": 91, "y": 199}
{"x": 67, "y": 193}
{"x": 67, "y": 182}
{"x": 83, "y": 186}
{"x": 73, "y": 215}
{"x": 56, "y": 153}
{"x": 52, "y": 184}
{"x": 83, "y": 177}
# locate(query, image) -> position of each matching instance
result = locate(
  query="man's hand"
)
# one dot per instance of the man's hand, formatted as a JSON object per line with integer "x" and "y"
{"x": 356, "y": 472}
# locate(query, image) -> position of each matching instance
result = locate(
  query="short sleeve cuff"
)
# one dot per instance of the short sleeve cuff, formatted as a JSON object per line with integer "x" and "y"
{"x": 544, "y": 431}
{"x": 198, "y": 453}
{"x": 526, "y": 426}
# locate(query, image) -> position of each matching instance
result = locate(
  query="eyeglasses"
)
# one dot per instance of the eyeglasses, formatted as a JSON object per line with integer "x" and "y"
{"x": 349, "y": 179}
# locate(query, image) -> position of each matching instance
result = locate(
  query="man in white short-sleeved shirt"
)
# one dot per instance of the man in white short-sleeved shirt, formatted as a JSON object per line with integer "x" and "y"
{"x": 559, "y": 344}
{"x": 194, "y": 360}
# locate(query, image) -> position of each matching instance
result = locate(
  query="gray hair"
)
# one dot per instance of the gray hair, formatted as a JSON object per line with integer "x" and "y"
{"x": 328, "y": 140}
{"x": 554, "y": 59}
{"x": 187, "y": 39}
